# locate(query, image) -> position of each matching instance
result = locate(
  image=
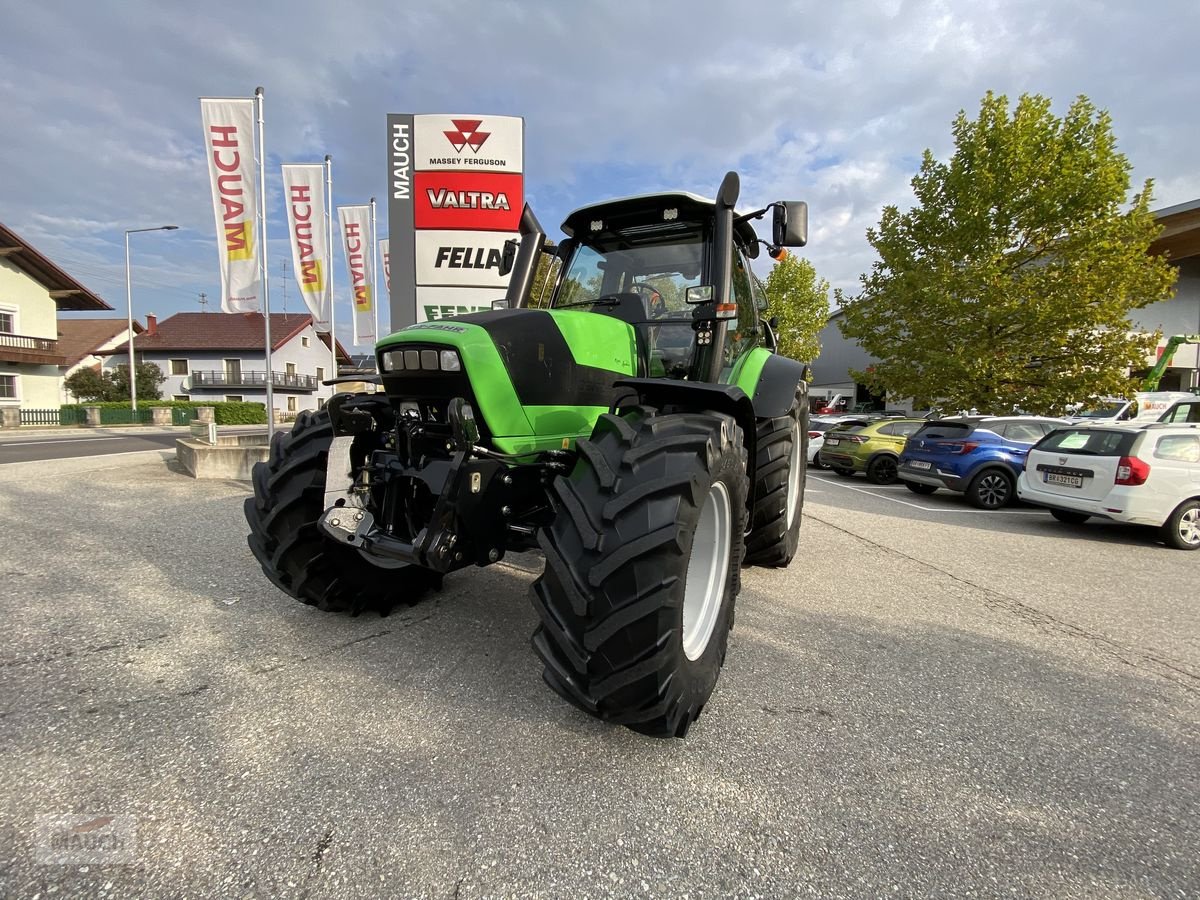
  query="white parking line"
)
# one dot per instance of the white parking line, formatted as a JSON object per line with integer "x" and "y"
{"x": 937, "y": 509}
{"x": 64, "y": 441}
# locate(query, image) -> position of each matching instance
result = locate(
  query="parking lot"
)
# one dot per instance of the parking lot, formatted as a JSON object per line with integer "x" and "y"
{"x": 930, "y": 700}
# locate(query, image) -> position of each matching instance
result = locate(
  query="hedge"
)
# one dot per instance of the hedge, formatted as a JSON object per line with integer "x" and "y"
{"x": 225, "y": 413}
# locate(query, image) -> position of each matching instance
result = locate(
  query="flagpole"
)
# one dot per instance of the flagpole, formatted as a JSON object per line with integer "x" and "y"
{"x": 374, "y": 274}
{"x": 262, "y": 240}
{"x": 329, "y": 274}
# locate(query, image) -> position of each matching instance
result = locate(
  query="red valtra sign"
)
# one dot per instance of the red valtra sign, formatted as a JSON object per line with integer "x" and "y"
{"x": 476, "y": 201}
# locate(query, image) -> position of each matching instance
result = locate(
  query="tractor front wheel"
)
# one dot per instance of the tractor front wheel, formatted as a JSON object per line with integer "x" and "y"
{"x": 289, "y": 498}
{"x": 779, "y": 490}
{"x": 642, "y": 566}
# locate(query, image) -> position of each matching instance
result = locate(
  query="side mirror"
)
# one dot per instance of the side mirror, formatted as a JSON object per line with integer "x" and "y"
{"x": 789, "y": 225}
{"x": 700, "y": 293}
{"x": 509, "y": 257}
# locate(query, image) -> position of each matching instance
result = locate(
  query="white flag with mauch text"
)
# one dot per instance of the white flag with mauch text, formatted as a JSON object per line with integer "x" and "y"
{"x": 386, "y": 262}
{"x": 229, "y": 141}
{"x": 304, "y": 196}
{"x": 356, "y": 241}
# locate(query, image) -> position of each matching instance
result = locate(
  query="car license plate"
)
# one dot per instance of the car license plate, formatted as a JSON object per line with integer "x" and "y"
{"x": 1074, "y": 481}
{"x": 832, "y": 442}
{"x": 919, "y": 464}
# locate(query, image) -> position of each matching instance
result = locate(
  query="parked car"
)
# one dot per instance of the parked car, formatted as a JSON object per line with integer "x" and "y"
{"x": 871, "y": 448}
{"x": 978, "y": 456}
{"x": 1144, "y": 474}
{"x": 1182, "y": 411}
{"x": 817, "y": 426}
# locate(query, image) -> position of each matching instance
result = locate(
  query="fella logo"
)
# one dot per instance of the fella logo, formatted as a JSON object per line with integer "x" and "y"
{"x": 466, "y": 134}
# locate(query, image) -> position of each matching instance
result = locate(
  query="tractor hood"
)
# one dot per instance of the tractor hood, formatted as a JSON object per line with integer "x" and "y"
{"x": 535, "y": 377}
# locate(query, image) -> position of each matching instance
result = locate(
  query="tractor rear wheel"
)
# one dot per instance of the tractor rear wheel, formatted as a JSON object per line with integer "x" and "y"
{"x": 642, "y": 567}
{"x": 779, "y": 490}
{"x": 289, "y": 498}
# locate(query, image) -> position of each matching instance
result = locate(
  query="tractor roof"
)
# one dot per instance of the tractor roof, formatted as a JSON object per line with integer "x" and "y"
{"x": 644, "y": 212}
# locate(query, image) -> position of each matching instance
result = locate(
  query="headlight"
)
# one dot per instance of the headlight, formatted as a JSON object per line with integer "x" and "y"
{"x": 450, "y": 361}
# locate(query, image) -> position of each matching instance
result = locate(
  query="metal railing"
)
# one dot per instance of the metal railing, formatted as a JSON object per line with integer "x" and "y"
{"x": 253, "y": 380}
{"x": 24, "y": 348}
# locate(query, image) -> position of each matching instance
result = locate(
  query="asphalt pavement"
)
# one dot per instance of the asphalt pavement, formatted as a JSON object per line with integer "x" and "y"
{"x": 923, "y": 704}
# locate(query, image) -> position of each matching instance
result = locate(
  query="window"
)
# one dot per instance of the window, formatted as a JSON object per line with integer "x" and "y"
{"x": 291, "y": 404}
{"x": 303, "y": 342}
{"x": 179, "y": 367}
{"x": 233, "y": 398}
{"x": 1024, "y": 432}
{"x": 183, "y": 397}
{"x": 8, "y": 322}
{"x": 320, "y": 373}
{"x": 8, "y": 387}
{"x": 290, "y": 368}
{"x": 1179, "y": 447}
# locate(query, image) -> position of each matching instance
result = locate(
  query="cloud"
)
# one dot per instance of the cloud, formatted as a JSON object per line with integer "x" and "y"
{"x": 831, "y": 103}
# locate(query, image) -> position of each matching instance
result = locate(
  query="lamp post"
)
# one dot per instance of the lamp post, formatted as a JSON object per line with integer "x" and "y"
{"x": 129, "y": 303}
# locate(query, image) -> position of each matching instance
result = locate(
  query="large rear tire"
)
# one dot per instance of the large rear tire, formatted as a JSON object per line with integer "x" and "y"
{"x": 642, "y": 567}
{"x": 779, "y": 475}
{"x": 289, "y": 498}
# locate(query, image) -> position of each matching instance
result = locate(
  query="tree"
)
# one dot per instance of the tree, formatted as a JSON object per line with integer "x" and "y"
{"x": 800, "y": 300}
{"x": 88, "y": 385}
{"x": 149, "y": 377}
{"x": 93, "y": 386}
{"x": 1011, "y": 280}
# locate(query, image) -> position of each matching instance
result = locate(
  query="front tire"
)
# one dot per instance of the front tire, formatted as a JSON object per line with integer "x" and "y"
{"x": 642, "y": 567}
{"x": 1182, "y": 529}
{"x": 289, "y": 498}
{"x": 779, "y": 473}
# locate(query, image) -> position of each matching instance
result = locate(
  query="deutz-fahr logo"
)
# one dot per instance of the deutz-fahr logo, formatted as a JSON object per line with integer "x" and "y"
{"x": 467, "y": 135}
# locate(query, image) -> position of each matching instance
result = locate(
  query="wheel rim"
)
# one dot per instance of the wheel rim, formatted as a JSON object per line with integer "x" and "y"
{"x": 993, "y": 490}
{"x": 795, "y": 470}
{"x": 1189, "y": 526}
{"x": 707, "y": 570}
{"x": 885, "y": 469}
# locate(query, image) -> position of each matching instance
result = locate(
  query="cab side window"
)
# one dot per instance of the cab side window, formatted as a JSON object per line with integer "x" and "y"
{"x": 743, "y": 331}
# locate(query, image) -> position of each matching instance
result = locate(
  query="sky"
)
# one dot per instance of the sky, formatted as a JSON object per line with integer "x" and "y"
{"x": 832, "y": 103}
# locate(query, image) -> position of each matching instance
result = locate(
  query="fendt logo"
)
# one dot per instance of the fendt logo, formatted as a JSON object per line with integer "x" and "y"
{"x": 466, "y": 135}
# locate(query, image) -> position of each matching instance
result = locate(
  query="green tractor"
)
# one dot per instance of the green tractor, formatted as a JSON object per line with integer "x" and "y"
{"x": 640, "y": 431}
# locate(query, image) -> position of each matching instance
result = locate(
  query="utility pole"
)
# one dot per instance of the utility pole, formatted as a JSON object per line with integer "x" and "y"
{"x": 283, "y": 269}
{"x": 203, "y": 301}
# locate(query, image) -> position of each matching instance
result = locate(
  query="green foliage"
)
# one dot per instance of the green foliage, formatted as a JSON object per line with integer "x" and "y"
{"x": 89, "y": 385}
{"x": 224, "y": 413}
{"x": 1010, "y": 281}
{"x": 800, "y": 300}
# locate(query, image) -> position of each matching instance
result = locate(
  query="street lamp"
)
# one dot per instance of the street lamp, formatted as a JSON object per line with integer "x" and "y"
{"x": 129, "y": 303}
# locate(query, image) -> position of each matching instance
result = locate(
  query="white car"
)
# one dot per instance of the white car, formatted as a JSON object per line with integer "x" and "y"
{"x": 1144, "y": 474}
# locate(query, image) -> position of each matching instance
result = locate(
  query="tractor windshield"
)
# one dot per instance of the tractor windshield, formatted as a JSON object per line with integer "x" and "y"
{"x": 645, "y": 286}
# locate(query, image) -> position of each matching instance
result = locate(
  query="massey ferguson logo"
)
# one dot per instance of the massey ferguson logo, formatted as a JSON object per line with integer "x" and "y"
{"x": 467, "y": 134}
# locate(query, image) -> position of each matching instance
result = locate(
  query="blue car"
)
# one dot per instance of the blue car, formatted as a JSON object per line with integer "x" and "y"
{"x": 979, "y": 456}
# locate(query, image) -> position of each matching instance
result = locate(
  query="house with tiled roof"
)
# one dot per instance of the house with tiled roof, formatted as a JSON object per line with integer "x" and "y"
{"x": 85, "y": 343}
{"x": 33, "y": 289}
{"x": 218, "y": 356}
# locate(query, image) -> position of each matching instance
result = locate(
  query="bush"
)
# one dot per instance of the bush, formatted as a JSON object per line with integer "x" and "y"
{"x": 224, "y": 413}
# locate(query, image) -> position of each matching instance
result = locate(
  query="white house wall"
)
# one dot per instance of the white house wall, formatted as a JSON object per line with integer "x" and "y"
{"x": 35, "y": 314}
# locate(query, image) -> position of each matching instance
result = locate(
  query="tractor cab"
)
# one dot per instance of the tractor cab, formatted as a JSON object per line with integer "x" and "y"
{"x": 649, "y": 261}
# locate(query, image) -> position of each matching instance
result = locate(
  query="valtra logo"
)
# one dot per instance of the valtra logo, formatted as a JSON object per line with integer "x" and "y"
{"x": 466, "y": 135}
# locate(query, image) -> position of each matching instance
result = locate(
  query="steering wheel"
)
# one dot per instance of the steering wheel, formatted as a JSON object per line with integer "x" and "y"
{"x": 657, "y": 303}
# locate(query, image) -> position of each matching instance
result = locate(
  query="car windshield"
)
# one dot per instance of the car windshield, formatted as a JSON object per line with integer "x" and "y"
{"x": 1103, "y": 411}
{"x": 665, "y": 269}
{"x": 942, "y": 429}
{"x": 1088, "y": 443}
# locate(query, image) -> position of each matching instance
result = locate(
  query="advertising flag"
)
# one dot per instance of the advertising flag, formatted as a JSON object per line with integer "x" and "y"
{"x": 304, "y": 196}
{"x": 356, "y": 241}
{"x": 229, "y": 141}
{"x": 386, "y": 262}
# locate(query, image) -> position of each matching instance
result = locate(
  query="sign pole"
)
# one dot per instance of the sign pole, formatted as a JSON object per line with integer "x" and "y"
{"x": 374, "y": 273}
{"x": 329, "y": 274}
